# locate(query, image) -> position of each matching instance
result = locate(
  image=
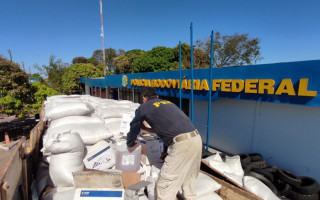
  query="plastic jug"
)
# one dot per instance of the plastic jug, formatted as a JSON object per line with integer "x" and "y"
{"x": 126, "y": 161}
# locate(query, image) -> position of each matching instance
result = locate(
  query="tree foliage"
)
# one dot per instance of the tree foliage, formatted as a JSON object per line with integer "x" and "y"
{"x": 110, "y": 55}
{"x": 185, "y": 56}
{"x": 157, "y": 59}
{"x": 40, "y": 92}
{"x": 200, "y": 58}
{"x": 124, "y": 63}
{"x": 93, "y": 61}
{"x": 232, "y": 50}
{"x": 79, "y": 59}
{"x": 70, "y": 78}
{"x": 15, "y": 90}
{"x": 54, "y": 71}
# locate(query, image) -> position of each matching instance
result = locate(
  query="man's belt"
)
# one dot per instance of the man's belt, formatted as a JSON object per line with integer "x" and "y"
{"x": 184, "y": 136}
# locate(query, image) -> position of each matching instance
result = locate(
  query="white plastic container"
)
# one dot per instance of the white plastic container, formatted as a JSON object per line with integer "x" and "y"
{"x": 126, "y": 161}
{"x": 152, "y": 147}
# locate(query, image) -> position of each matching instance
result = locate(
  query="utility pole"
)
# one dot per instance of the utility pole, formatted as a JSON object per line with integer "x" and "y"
{"x": 102, "y": 36}
{"x": 9, "y": 51}
{"x": 23, "y": 67}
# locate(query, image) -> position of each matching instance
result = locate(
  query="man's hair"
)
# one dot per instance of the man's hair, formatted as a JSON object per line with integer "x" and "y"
{"x": 149, "y": 92}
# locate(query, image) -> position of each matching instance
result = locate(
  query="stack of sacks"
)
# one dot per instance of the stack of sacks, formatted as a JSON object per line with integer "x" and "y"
{"x": 57, "y": 107}
{"x": 112, "y": 112}
{"x": 67, "y": 153}
{"x": 71, "y": 113}
{"x": 232, "y": 169}
{"x": 91, "y": 129}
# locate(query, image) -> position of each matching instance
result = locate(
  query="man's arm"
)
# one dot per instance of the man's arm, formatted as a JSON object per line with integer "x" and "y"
{"x": 144, "y": 127}
{"x": 134, "y": 129}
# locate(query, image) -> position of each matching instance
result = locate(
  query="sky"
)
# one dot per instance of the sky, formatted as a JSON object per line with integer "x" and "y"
{"x": 34, "y": 30}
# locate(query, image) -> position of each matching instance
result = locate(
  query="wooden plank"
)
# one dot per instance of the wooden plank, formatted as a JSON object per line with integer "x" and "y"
{"x": 24, "y": 169}
{"x": 231, "y": 192}
{"x": 35, "y": 135}
{"x": 10, "y": 175}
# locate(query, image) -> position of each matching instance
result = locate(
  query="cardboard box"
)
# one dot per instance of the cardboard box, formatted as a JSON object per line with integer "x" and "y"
{"x": 130, "y": 178}
{"x": 96, "y": 184}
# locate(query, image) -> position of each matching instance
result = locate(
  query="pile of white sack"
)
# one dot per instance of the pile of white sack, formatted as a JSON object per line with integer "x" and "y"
{"x": 85, "y": 132}
{"x": 231, "y": 168}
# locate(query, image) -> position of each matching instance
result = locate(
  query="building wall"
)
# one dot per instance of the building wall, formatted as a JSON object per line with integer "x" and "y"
{"x": 285, "y": 135}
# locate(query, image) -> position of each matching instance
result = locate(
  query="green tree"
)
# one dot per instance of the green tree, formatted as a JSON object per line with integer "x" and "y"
{"x": 110, "y": 55}
{"x": 93, "y": 61}
{"x": 157, "y": 59}
{"x": 185, "y": 56}
{"x": 124, "y": 63}
{"x": 232, "y": 50}
{"x": 39, "y": 94}
{"x": 70, "y": 78}
{"x": 15, "y": 90}
{"x": 54, "y": 71}
{"x": 200, "y": 57}
{"x": 79, "y": 59}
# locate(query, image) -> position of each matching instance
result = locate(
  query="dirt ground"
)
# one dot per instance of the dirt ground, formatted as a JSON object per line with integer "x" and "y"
{"x": 15, "y": 128}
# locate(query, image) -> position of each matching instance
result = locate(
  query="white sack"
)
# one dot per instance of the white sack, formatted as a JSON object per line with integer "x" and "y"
{"x": 115, "y": 112}
{"x": 62, "y": 166}
{"x": 90, "y": 133}
{"x": 53, "y": 98}
{"x": 64, "y": 142}
{"x": 67, "y": 109}
{"x": 230, "y": 168}
{"x": 235, "y": 165}
{"x": 113, "y": 125}
{"x": 74, "y": 120}
{"x": 67, "y": 152}
{"x": 257, "y": 187}
{"x": 205, "y": 185}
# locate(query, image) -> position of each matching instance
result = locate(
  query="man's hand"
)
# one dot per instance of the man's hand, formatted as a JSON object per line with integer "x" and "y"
{"x": 131, "y": 149}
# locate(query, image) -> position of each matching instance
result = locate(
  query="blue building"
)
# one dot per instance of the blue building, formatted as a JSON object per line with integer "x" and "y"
{"x": 271, "y": 109}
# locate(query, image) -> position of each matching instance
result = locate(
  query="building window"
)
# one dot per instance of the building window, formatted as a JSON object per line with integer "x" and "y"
{"x": 126, "y": 94}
